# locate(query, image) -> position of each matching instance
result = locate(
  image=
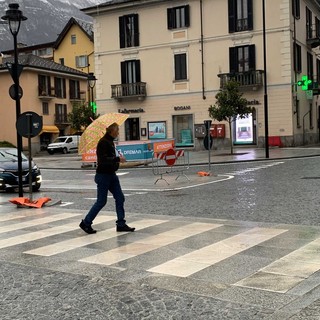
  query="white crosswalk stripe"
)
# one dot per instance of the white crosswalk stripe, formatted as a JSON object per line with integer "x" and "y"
{"x": 156, "y": 235}
{"x": 199, "y": 259}
{"x": 74, "y": 243}
{"x": 295, "y": 267}
{"x": 149, "y": 243}
{"x": 37, "y": 222}
{"x": 32, "y": 236}
{"x": 245, "y": 171}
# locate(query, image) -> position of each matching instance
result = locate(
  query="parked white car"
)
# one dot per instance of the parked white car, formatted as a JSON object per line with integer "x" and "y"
{"x": 64, "y": 144}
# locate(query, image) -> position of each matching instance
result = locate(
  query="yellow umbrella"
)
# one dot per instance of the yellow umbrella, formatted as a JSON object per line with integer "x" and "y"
{"x": 96, "y": 130}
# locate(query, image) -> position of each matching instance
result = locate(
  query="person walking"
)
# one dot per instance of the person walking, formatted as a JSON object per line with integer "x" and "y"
{"x": 108, "y": 161}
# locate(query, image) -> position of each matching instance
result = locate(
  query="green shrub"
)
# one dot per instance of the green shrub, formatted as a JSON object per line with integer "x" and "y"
{"x": 6, "y": 144}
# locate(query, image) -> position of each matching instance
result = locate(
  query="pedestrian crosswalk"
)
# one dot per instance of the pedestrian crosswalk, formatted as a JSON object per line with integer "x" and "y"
{"x": 255, "y": 168}
{"x": 167, "y": 246}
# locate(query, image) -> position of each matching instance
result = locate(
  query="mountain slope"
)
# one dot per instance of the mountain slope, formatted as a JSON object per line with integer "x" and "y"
{"x": 46, "y": 19}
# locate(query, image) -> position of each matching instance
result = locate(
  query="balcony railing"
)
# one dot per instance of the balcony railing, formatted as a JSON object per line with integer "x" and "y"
{"x": 313, "y": 36}
{"x": 242, "y": 24}
{"x": 61, "y": 118}
{"x": 129, "y": 90}
{"x": 45, "y": 93}
{"x": 248, "y": 79}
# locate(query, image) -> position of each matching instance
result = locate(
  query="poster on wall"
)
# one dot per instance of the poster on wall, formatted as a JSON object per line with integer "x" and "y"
{"x": 157, "y": 130}
{"x": 244, "y": 130}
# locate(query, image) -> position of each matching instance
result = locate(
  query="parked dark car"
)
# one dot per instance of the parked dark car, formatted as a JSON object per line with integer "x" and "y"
{"x": 9, "y": 179}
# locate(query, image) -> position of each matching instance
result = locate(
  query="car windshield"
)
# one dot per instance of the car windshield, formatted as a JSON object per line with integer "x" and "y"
{"x": 11, "y": 155}
{"x": 60, "y": 139}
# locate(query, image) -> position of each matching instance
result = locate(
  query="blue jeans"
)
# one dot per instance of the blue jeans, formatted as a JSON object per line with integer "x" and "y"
{"x": 107, "y": 182}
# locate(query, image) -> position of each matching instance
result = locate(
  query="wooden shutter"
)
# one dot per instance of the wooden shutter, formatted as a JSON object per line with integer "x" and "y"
{"x": 136, "y": 30}
{"x": 180, "y": 66}
{"x": 72, "y": 89}
{"x": 170, "y": 13}
{"x": 187, "y": 15}
{"x": 64, "y": 95}
{"x": 123, "y": 72}
{"x": 250, "y": 15}
{"x": 41, "y": 85}
{"x": 122, "y": 32}
{"x": 232, "y": 15}
{"x": 56, "y": 91}
{"x": 138, "y": 71}
{"x": 233, "y": 60}
{"x": 252, "y": 57}
{"x": 296, "y": 8}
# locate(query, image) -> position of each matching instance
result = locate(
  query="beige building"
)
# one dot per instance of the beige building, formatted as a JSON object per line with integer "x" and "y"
{"x": 164, "y": 61}
{"x": 49, "y": 89}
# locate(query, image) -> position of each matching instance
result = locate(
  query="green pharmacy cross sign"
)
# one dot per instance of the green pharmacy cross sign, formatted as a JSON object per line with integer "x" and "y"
{"x": 93, "y": 106}
{"x": 304, "y": 83}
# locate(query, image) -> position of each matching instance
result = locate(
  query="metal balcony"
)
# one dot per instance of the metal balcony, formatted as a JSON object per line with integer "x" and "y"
{"x": 44, "y": 94}
{"x": 129, "y": 90}
{"x": 247, "y": 80}
{"x": 313, "y": 36}
{"x": 61, "y": 118}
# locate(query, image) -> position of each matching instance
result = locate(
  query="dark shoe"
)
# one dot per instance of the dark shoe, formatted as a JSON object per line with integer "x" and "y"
{"x": 87, "y": 229}
{"x": 125, "y": 228}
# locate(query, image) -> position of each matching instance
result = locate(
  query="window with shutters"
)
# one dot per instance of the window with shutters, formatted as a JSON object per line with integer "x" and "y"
{"x": 45, "y": 108}
{"x": 309, "y": 23}
{"x": 242, "y": 59}
{"x": 180, "y": 66}
{"x": 317, "y": 26}
{"x": 129, "y": 31}
{"x": 74, "y": 87}
{"x": 82, "y": 61}
{"x": 130, "y": 71}
{"x": 296, "y": 8}
{"x": 310, "y": 65}
{"x": 60, "y": 87}
{"x": 61, "y": 115}
{"x": 318, "y": 71}
{"x": 130, "y": 77}
{"x": 240, "y": 15}
{"x": 310, "y": 116}
{"x": 178, "y": 17}
{"x": 44, "y": 85}
{"x": 297, "y": 58}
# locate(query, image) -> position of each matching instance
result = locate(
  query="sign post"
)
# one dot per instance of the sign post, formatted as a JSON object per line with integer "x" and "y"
{"x": 29, "y": 125}
{"x": 208, "y": 126}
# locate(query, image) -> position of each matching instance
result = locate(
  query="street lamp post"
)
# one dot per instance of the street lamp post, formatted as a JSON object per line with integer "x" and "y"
{"x": 266, "y": 124}
{"x": 14, "y": 17}
{"x": 91, "y": 84}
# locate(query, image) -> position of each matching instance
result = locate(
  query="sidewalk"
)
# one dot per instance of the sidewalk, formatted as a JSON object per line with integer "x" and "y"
{"x": 73, "y": 160}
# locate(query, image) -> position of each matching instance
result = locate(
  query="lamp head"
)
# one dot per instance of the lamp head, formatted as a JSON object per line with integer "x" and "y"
{"x": 91, "y": 80}
{"x": 14, "y": 17}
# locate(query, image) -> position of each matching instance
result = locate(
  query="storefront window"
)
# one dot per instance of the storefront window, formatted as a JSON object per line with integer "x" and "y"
{"x": 157, "y": 130}
{"x": 183, "y": 130}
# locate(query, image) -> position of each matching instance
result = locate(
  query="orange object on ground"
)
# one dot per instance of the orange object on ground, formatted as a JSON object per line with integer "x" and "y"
{"x": 23, "y": 201}
{"x": 204, "y": 174}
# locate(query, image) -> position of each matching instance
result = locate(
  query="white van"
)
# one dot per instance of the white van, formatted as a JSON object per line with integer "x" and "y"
{"x": 64, "y": 144}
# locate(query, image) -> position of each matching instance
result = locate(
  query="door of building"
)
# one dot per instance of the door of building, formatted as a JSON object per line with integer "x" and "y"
{"x": 132, "y": 129}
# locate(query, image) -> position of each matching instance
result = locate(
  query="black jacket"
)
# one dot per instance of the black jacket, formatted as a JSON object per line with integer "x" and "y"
{"x": 107, "y": 161}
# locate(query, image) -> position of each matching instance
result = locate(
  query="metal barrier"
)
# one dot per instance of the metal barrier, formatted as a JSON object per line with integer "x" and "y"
{"x": 170, "y": 161}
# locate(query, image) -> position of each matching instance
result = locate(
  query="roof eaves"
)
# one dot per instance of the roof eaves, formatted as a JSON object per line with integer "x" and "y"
{"x": 36, "y": 62}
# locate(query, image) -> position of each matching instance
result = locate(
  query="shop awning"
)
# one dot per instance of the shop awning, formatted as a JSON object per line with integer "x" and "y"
{"x": 50, "y": 129}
